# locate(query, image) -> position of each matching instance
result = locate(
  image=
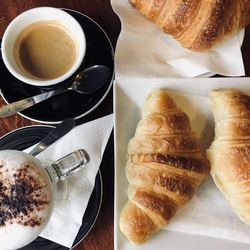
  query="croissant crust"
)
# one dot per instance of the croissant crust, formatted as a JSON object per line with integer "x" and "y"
{"x": 164, "y": 167}
{"x": 196, "y": 24}
{"x": 229, "y": 154}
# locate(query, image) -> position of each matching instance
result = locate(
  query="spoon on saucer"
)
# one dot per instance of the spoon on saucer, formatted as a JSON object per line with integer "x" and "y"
{"x": 86, "y": 81}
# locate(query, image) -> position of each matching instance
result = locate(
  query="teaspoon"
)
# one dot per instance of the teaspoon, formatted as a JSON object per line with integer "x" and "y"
{"x": 86, "y": 81}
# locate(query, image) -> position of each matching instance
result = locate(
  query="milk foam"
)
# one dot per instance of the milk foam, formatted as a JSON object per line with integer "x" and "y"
{"x": 26, "y": 195}
{"x": 15, "y": 236}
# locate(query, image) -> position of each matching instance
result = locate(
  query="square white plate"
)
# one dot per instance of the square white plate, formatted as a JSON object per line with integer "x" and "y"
{"x": 129, "y": 96}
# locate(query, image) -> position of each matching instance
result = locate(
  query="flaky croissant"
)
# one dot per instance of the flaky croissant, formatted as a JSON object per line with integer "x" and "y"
{"x": 229, "y": 153}
{"x": 196, "y": 24}
{"x": 164, "y": 167}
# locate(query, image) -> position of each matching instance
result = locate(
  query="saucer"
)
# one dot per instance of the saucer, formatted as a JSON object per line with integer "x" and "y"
{"x": 99, "y": 50}
{"x": 25, "y": 137}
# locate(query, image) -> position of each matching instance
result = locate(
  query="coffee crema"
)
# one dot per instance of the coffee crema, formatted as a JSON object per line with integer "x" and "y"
{"x": 45, "y": 50}
{"x": 26, "y": 197}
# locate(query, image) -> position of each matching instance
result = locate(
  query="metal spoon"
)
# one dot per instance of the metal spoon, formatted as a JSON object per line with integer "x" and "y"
{"x": 87, "y": 81}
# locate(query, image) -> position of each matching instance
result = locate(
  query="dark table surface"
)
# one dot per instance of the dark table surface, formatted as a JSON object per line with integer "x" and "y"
{"x": 101, "y": 236}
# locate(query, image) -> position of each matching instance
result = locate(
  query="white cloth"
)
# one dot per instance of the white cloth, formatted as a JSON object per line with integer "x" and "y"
{"x": 73, "y": 194}
{"x": 144, "y": 51}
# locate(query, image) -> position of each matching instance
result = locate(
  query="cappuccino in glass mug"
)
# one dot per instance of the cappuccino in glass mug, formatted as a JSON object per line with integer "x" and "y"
{"x": 27, "y": 193}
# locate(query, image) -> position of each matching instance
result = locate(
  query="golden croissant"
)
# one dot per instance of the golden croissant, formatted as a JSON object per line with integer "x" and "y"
{"x": 229, "y": 153}
{"x": 164, "y": 168}
{"x": 196, "y": 24}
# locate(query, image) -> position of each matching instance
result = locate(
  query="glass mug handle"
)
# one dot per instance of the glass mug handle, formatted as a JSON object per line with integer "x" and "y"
{"x": 68, "y": 165}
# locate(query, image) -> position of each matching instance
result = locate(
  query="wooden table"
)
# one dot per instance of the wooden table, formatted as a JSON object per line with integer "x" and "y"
{"x": 101, "y": 235}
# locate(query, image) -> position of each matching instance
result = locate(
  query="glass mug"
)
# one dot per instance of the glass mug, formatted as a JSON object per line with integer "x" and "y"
{"x": 28, "y": 191}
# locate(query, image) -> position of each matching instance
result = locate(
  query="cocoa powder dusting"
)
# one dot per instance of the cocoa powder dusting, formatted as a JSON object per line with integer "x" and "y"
{"x": 21, "y": 197}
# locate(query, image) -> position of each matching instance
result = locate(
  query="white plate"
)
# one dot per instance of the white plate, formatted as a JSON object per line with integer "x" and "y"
{"x": 129, "y": 97}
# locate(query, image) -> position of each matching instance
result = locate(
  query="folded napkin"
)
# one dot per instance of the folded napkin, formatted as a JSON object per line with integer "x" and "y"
{"x": 74, "y": 193}
{"x": 144, "y": 51}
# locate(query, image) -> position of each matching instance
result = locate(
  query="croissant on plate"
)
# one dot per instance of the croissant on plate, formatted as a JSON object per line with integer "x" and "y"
{"x": 229, "y": 153}
{"x": 164, "y": 167}
{"x": 196, "y": 24}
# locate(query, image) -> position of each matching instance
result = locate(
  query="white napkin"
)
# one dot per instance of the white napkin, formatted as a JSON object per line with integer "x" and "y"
{"x": 208, "y": 213}
{"x": 144, "y": 51}
{"x": 74, "y": 194}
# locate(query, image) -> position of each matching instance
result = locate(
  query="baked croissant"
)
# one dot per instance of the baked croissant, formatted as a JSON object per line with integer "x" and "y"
{"x": 164, "y": 167}
{"x": 229, "y": 153}
{"x": 196, "y": 24}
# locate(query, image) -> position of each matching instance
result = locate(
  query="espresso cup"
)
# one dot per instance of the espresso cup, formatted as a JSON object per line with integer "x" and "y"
{"x": 28, "y": 189}
{"x": 43, "y": 46}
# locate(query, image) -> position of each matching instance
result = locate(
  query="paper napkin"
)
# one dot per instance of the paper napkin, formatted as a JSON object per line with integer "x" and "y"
{"x": 210, "y": 214}
{"x": 73, "y": 195}
{"x": 144, "y": 51}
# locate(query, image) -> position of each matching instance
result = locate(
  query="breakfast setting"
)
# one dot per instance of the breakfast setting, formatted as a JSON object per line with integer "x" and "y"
{"x": 125, "y": 125}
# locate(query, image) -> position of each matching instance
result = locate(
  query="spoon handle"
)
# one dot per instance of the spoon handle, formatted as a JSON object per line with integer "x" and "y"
{"x": 13, "y": 108}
